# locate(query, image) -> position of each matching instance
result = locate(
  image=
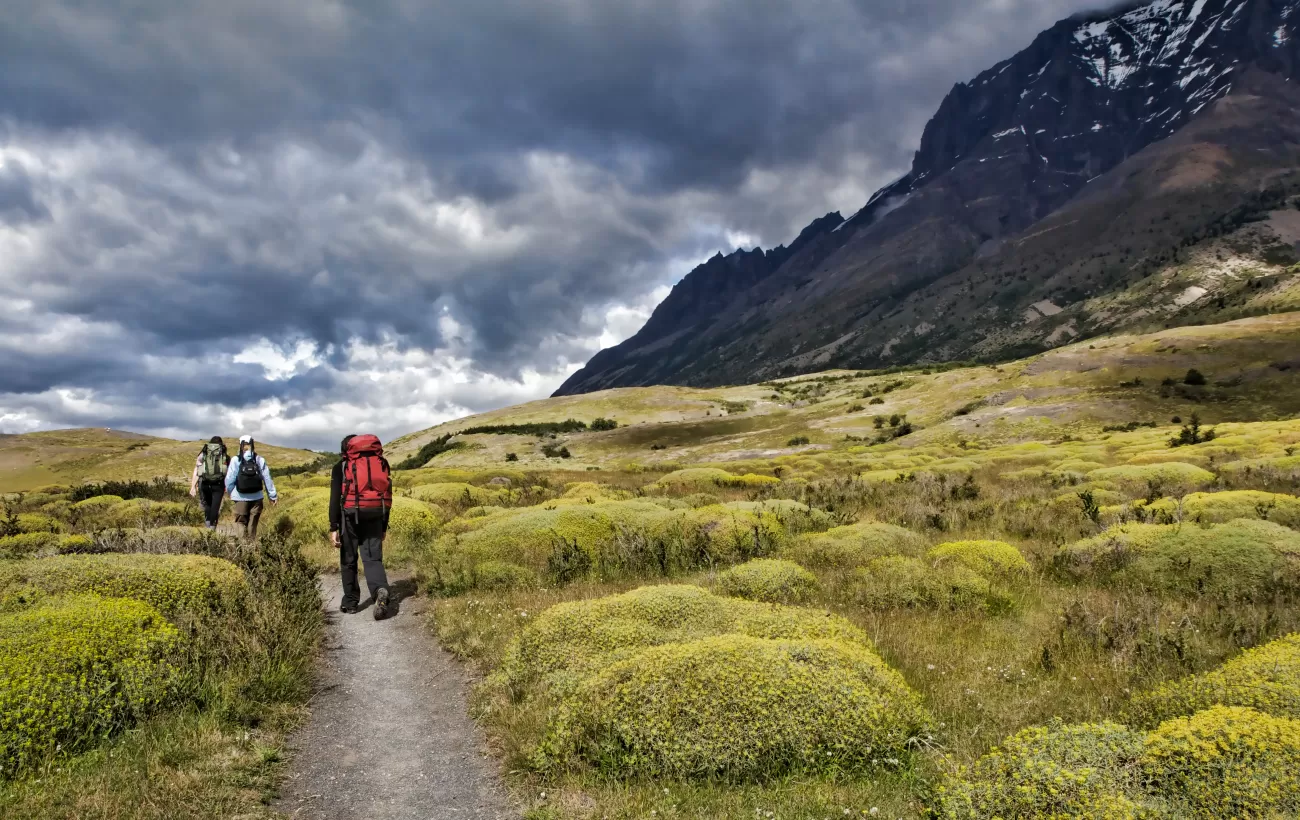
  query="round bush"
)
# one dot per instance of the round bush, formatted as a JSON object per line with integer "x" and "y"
{"x": 1140, "y": 476}
{"x": 1218, "y": 508}
{"x": 738, "y": 707}
{"x": 308, "y": 510}
{"x": 1081, "y": 770}
{"x": 75, "y": 670}
{"x": 573, "y": 639}
{"x": 1266, "y": 678}
{"x": 499, "y": 575}
{"x": 33, "y": 544}
{"x": 1237, "y": 560}
{"x": 97, "y": 503}
{"x": 1227, "y": 761}
{"x": 984, "y": 557}
{"x": 144, "y": 513}
{"x": 771, "y": 580}
{"x": 453, "y": 493}
{"x": 172, "y": 583}
{"x": 855, "y": 545}
{"x": 899, "y": 582}
{"x": 38, "y": 522}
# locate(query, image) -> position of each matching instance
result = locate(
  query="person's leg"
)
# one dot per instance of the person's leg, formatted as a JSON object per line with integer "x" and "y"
{"x": 212, "y": 494}
{"x": 348, "y": 569}
{"x": 370, "y": 544}
{"x": 241, "y": 516}
{"x": 254, "y": 516}
{"x": 372, "y": 559}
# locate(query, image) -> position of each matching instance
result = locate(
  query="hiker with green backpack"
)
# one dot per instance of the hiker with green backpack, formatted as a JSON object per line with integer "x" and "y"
{"x": 208, "y": 484}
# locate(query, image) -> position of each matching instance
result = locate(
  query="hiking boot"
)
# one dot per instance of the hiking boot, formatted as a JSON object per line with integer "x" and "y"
{"x": 381, "y": 604}
{"x": 348, "y": 608}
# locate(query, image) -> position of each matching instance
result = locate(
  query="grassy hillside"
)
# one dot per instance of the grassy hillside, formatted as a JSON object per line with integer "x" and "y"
{"x": 33, "y": 460}
{"x": 1250, "y": 366}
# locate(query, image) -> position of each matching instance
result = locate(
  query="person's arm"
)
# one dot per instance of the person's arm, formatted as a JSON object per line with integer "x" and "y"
{"x": 266, "y": 480}
{"x": 194, "y": 478}
{"x": 231, "y": 469}
{"x": 336, "y": 496}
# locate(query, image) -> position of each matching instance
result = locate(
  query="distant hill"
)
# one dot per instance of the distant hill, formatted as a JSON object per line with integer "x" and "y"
{"x": 1126, "y": 171}
{"x": 1251, "y": 368}
{"x": 30, "y": 460}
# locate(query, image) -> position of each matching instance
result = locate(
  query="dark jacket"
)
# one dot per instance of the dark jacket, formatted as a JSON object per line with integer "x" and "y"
{"x": 336, "y": 500}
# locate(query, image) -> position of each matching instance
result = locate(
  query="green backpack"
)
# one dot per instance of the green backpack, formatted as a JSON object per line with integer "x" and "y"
{"x": 215, "y": 462}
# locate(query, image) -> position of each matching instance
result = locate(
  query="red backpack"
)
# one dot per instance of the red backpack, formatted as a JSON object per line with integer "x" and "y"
{"x": 367, "y": 488}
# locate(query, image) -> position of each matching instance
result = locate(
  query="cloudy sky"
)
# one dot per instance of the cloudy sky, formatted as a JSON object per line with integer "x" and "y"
{"x": 306, "y": 217}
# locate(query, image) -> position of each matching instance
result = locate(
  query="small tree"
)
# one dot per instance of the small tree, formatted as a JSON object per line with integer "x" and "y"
{"x": 602, "y": 424}
{"x": 1194, "y": 377}
{"x": 512, "y": 456}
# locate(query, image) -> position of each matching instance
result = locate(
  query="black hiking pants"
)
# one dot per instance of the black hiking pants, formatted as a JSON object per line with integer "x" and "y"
{"x": 363, "y": 539}
{"x": 211, "y": 494}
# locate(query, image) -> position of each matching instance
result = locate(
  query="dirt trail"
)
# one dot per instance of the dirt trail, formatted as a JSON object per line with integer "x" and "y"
{"x": 389, "y": 736}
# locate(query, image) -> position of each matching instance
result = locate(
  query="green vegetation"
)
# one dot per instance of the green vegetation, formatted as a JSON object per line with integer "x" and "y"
{"x": 130, "y": 651}
{"x": 1060, "y": 606}
{"x": 767, "y": 579}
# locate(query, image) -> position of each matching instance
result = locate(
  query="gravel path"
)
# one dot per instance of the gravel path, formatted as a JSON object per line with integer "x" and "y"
{"x": 389, "y": 736}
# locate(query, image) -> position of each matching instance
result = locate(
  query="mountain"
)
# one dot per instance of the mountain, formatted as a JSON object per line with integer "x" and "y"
{"x": 1135, "y": 169}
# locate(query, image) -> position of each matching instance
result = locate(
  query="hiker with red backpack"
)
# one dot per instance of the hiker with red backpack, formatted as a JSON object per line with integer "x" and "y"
{"x": 248, "y": 480}
{"x": 208, "y": 483}
{"x": 361, "y": 496}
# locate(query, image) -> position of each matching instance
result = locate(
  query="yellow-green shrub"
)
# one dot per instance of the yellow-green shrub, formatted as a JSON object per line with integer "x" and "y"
{"x": 855, "y": 545}
{"x": 1218, "y": 508}
{"x": 768, "y": 579}
{"x": 97, "y": 503}
{"x": 985, "y": 557}
{"x": 38, "y": 522}
{"x": 1227, "y": 761}
{"x": 452, "y": 494}
{"x": 571, "y": 640}
{"x": 701, "y": 477}
{"x": 499, "y": 575}
{"x": 900, "y": 582}
{"x": 172, "y": 583}
{"x": 142, "y": 513}
{"x": 1266, "y": 678}
{"x": 73, "y": 671}
{"x": 25, "y": 545}
{"x": 1239, "y": 559}
{"x": 1170, "y": 475}
{"x": 738, "y": 707}
{"x": 1056, "y": 771}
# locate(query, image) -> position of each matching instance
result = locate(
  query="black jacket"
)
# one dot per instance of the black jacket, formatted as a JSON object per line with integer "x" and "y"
{"x": 336, "y": 500}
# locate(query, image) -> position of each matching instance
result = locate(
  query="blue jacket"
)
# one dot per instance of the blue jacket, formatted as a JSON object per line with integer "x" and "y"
{"x": 233, "y": 470}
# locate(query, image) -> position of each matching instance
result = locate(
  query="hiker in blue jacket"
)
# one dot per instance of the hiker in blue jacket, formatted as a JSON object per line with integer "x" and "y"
{"x": 246, "y": 478}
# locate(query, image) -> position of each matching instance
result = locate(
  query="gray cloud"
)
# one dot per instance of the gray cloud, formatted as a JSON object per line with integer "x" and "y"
{"x": 479, "y": 180}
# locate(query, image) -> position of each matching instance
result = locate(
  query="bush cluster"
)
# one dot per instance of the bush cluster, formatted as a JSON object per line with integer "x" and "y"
{"x": 737, "y": 707}
{"x": 701, "y": 477}
{"x": 673, "y": 680}
{"x": 172, "y": 583}
{"x": 1242, "y": 559}
{"x": 1266, "y": 678}
{"x": 991, "y": 558}
{"x": 571, "y": 538}
{"x": 768, "y": 579}
{"x": 34, "y": 544}
{"x": 901, "y": 582}
{"x": 1083, "y": 770}
{"x": 74, "y": 670}
{"x": 854, "y": 545}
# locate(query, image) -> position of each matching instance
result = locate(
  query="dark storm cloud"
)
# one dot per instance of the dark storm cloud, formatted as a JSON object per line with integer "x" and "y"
{"x": 198, "y": 176}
